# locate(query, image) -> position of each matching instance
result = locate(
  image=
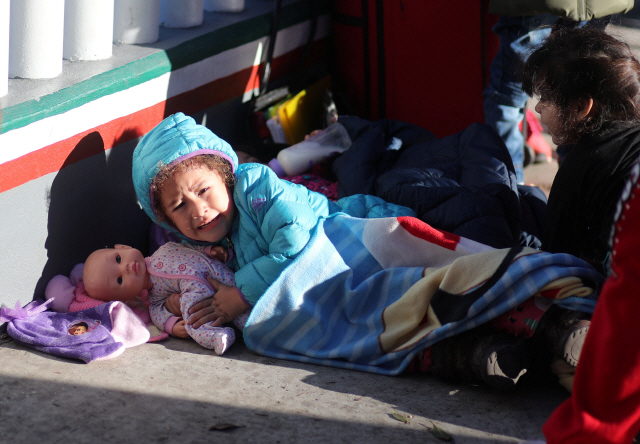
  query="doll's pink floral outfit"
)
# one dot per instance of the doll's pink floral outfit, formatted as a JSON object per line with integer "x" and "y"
{"x": 183, "y": 268}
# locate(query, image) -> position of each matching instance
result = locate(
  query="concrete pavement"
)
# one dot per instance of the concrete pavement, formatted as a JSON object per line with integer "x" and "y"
{"x": 178, "y": 392}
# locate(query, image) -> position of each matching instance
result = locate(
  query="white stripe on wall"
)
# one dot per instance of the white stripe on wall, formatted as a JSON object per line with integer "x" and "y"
{"x": 53, "y": 129}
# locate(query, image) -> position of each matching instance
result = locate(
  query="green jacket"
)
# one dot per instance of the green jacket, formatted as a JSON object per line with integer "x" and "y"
{"x": 577, "y": 10}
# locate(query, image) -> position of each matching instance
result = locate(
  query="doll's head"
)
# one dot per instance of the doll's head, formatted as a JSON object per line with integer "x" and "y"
{"x": 167, "y": 160}
{"x": 115, "y": 274}
{"x": 78, "y": 329}
{"x": 586, "y": 80}
{"x": 195, "y": 197}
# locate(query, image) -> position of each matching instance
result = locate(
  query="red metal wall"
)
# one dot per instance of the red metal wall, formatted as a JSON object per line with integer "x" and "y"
{"x": 432, "y": 60}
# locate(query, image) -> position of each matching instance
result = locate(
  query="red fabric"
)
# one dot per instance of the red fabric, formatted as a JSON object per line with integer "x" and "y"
{"x": 521, "y": 321}
{"x": 425, "y": 231}
{"x": 605, "y": 405}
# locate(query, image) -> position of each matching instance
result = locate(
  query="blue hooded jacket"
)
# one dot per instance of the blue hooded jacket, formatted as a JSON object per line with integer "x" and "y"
{"x": 274, "y": 218}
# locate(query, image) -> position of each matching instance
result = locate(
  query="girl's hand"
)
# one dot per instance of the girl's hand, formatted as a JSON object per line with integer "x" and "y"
{"x": 172, "y": 304}
{"x": 225, "y": 305}
{"x": 179, "y": 330}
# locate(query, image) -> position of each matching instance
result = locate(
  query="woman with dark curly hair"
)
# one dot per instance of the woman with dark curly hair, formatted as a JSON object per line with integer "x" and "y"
{"x": 589, "y": 88}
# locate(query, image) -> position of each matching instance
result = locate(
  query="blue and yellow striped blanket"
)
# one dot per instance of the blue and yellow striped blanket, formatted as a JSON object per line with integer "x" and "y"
{"x": 369, "y": 294}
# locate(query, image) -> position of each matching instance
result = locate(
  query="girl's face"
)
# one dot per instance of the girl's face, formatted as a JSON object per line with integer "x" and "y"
{"x": 551, "y": 119}
{"x": 116, "y": 274}
{"x": 199, "y": 204}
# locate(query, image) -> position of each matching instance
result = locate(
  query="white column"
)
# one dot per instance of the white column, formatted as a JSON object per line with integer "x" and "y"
{"x": 136, "y": 21}
{"x": 4, "y": 47}
{"x": 35, "y": 38}
{"x": 224, "y": 5}
{"x": 88, "y": 29}
{"x": 181, "y": 13}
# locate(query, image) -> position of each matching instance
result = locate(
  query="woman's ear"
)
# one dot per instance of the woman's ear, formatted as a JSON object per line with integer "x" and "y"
{"x": 583, "y": 107}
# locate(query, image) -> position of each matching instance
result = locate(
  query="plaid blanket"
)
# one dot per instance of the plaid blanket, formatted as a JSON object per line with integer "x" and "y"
{"x": 369, "y": 294}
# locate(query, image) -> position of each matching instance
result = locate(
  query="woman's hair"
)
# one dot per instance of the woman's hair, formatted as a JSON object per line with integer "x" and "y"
{"x": 581, "y": 63}
{"x": 216, "y": 164}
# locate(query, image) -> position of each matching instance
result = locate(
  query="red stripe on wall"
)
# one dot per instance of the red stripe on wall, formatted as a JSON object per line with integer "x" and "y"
{"x": 54, "y": 157}
{"x": 59, "y": 155}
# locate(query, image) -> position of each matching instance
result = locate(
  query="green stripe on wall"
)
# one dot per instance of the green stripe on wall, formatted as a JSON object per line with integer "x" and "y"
{"x": 153, "y": 66}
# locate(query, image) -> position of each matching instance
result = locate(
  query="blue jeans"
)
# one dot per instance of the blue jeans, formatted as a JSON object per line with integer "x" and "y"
{"x": 504, "y": 100}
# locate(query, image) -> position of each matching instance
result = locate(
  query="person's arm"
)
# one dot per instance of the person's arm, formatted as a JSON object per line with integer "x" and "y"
{"x": 160, "y": 316}
{"x": 172, "y": 304}
{"x": 371, "y": 207}
{"x": 276, "y": 219}
{"x": 226, "y": 305}
{"x": 276, "y": 222}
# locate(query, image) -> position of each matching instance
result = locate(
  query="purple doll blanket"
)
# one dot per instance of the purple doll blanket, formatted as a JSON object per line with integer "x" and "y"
{"x": 101, "y": 332}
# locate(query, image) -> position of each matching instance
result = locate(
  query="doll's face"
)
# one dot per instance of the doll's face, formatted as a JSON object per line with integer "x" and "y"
{"x": 115, "y": 274}
{"x": 199, "y": 204}
{"x": 78, "y": 329}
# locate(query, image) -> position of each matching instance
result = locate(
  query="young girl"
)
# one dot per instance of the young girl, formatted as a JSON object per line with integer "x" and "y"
{"x": 589, "y": 88}
{"x": 174, "y": 278}
{"x": 244, "y": 205}
{"x": 303, "y": 254}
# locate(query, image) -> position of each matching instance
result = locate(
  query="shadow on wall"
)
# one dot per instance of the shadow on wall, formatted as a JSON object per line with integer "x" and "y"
{"x": 92, "y": 205}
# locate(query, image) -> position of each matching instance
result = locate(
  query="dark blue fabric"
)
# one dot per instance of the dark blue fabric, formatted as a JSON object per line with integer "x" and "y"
{"x": 464, "y": 183}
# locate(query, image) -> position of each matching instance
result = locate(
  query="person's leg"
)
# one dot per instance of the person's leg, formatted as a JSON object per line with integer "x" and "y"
{"x": 479, "y": 355}
{"x": 504, "y": 100}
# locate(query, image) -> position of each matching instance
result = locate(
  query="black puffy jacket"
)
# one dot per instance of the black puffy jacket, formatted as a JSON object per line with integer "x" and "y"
{"x": 464, "y": 183}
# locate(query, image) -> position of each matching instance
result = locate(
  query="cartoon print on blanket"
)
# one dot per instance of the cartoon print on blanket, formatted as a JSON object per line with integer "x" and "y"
{"x": 100, "y": 332}
{"x": 389, "y": 288}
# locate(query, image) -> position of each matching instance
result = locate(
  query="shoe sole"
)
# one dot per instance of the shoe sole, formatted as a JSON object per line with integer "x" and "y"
{"x": 573, "y": 342}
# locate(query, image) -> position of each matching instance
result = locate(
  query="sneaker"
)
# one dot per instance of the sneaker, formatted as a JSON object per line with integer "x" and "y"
{"x": 570, "y": 346}
{"x": 504, "y": 362}
{"x": 480, "y": 356}
{"x": 563, "y": 331}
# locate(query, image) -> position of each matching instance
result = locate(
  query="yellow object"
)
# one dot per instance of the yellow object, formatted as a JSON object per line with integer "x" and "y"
{"x": 302, "y": 113}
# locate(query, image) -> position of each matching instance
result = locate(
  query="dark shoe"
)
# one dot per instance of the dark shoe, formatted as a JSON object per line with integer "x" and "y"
{"x": 570, "y": 345}
{"x": 563, "y": 332}
{"x": 480, "y": 356}
{"x": 503, "y": 362}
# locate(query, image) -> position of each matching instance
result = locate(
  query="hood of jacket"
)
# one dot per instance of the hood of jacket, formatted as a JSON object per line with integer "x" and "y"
{"x": 176, "y": 138}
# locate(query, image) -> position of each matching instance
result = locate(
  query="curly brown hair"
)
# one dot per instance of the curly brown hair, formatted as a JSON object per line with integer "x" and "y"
{"x": 213, "y": 163}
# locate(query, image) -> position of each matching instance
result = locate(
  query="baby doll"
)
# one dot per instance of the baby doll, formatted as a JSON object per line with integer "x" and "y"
{"x": 174, "y": 278}
{"x": 66, "y": 294}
